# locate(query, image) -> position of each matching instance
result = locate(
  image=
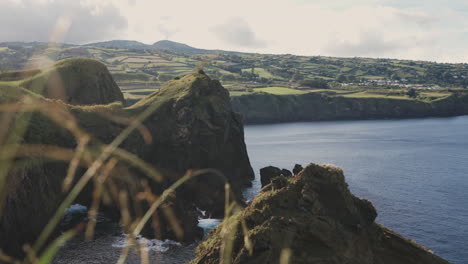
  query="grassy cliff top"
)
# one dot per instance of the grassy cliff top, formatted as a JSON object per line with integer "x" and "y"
{"x": 195, "y": 83}
{"x": 76, "y": 81}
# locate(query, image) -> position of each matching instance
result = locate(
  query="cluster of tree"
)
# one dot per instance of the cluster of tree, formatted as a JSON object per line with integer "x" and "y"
{"x": 343, "y": 78}
{"x": 264, "y": 80}
{"x": 232, "y": 68}
{"x": 281, "y": 72}
{"x": 249, "y": 75}
{"x": 445, "y": 75}
{"x": 412, "y": 93}
{"x": 228, "y": 78}
{"x": 315, "y": 83}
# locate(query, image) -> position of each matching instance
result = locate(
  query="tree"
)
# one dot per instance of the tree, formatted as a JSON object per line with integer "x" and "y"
{"x": 447, "y": 76}
{"x": 228, "y": 77}
{"x": 412, "y": 93}
{"x": 351, "y": 78}
{"x": 297, "y": 76}
{"x": 395, "y": 77}
{"x": 341, "y": 78}
{"x": 315, "y": 83}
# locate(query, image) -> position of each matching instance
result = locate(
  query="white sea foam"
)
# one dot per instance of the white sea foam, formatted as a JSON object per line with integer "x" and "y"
{"x": 151, "y": 244}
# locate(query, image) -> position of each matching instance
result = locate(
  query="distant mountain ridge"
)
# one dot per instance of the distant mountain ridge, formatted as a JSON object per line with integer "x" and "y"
{"x": 35, "y": 44}
{"x": 166, "y": 45}
{"x": 176, "y": 47}
{"x": 120, "y": 44}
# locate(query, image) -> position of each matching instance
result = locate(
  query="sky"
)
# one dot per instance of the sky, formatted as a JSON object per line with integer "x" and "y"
{"x": 432, "y": 30}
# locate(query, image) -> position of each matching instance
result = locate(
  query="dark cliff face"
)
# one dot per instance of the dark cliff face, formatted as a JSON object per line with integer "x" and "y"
{"x": 269, "y": 108}
{"x": 192, "y": 126}
{"x": 199, "y": 130}
{"x": 311, "y": 219}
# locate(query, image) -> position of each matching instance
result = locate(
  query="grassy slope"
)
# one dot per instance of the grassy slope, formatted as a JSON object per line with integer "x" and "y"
{"x": 375, "y": 95}
{"x": 77, "y": 81}
{"x": 136, "y": 68}
{"x": 279, "y": 90}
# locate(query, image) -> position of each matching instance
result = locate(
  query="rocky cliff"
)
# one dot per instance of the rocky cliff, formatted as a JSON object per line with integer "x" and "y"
{"x": 194, "y": 127}
{"x": 191, "y": 126}
{"x": 311, "y": 218}
{"x": 75, "y": 81}
{"x": 269, "y": 108}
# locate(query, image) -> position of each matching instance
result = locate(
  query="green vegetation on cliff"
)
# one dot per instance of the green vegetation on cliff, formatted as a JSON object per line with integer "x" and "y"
{"x": 271, "y": 108}
{"x": 309, "y": 218}
{"x": 186, "y": 126}
{"x": 76, "y": 81}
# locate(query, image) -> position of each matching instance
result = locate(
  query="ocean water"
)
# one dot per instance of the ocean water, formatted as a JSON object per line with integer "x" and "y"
{"x": 415, "y": 171}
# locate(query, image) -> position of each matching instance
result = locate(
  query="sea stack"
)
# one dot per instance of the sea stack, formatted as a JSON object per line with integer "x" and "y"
{"x": 312, "y": 219}
{"x": 190, "y": 125}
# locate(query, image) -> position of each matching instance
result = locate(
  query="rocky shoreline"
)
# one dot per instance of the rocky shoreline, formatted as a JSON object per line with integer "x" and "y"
{"x": 311, "y": 217}
{"x": 192, "y": 126}
{"x": 306, "y": 215}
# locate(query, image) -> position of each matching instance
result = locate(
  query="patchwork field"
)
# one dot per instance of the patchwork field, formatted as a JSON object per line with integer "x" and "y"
{"x": 141, "y": 71}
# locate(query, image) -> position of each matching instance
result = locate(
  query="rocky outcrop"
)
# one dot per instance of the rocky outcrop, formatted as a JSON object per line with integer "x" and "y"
{"x": 191, "y": 126}
{"x": 286, "y": 172}
{"x": 297, "y": 168}
{"x": 194, "y": 127}
{"x": 312, "y": 219}
{"x": 267, "y": 174}
{"x": 269, "y": 108}
{"x": 76, "y": 81}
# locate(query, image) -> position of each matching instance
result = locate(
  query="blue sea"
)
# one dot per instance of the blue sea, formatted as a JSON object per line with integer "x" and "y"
{"x": 415, "y": 171}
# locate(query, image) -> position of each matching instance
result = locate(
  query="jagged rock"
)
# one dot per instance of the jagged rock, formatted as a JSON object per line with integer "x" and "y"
{"x": 297, "y": 168}
{"x": 279, "y": 182}
{"x": 286, "y": 173}
{"x": 192, "y": 126}
{"x": 74, "y": 215}
{"x": 268, "y": 173}
{"x": 314, "y": 219}
{"x": 195, "y": 127}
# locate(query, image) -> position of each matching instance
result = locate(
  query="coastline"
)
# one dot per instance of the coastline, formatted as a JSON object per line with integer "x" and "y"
{"x": 270, "y": 109}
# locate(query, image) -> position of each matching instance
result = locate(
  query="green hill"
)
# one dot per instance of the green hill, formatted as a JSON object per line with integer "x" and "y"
{"x": 75, "y": 81}
{"x": 120, "y": 44}
{"x": 176, "y": 47}
{"x": 189, "y": 124}
{"x": 141, "y": 69}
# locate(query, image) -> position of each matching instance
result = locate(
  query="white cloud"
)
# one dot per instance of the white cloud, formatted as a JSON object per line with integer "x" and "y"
{"x": 59, "y": 20}
{"x": 236, "y": 31}
{"x": 413, "y": 29}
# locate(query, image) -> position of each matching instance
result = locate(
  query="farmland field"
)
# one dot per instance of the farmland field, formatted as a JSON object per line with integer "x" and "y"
{"x": 138, "y": 72}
